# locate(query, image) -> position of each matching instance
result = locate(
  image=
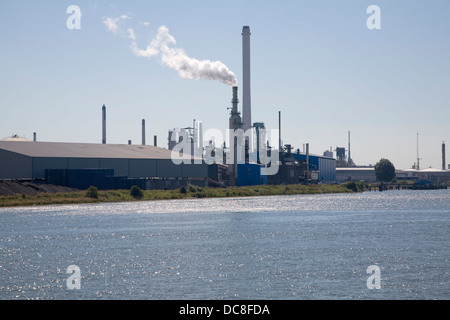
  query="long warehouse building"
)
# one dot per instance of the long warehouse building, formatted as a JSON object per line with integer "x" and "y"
{"x": 30, "y": 160}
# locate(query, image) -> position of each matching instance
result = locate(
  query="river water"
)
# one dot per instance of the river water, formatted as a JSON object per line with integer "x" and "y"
{"x": 277, "y": 247}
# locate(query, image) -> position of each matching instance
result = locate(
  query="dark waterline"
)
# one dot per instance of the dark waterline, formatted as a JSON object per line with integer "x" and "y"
{"x": 277, "y": 247}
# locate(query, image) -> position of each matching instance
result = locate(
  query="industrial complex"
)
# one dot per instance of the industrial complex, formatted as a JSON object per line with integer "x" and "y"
{"x": 245, "y": 159}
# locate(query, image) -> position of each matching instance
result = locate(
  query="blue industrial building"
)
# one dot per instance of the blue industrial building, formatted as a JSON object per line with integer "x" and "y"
{"x": 324, "y": 166}
{"x": 249, "y": 174}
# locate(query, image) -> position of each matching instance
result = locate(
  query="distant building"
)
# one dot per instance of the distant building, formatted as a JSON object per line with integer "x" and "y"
{"x": 429, "y": 174}
{"x": 297, "y": 167}
{"x": 30, "y": 160}
{"x": 323, "y": 166}
{"x": 365, "y": 174}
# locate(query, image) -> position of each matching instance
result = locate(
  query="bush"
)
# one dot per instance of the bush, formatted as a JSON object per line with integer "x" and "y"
{"x": 136, "y": 192}
{"x": 92, "y": 192}
{"x": 183, "y": 190}
{"x": 192, "y": 188}
{"x": 357, "y": 186}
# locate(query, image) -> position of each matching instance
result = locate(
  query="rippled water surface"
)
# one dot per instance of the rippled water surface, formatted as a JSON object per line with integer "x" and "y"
{"x": 279, "y": 247}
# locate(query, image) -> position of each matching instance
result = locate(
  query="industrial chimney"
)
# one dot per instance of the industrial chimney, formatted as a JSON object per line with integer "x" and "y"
{"x": 246, "y": 91}
{"x": 307, "y": 156}
{"x": 443, "y": 155}
{"x": 280, "y": 147}
{"x": 104, "y": 124}
{"x": 349, "y": 160}
{"x": 143, "y": 132}
{"x": 198, "y": 138}
{"x": 235, "y": 118}
{"x": 235, "y": 123}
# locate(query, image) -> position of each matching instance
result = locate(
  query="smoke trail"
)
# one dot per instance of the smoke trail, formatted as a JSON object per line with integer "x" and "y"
{"x": 177, "y": 59}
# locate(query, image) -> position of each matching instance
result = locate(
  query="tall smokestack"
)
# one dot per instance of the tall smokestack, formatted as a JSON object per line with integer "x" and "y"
{"x": 307, "y": 156}
{"x": 235, "y": 100}
{"x": 443, "y": 155}
{"x": 418, "y": 159}
{"x": 198, "y": 138}
{"x": 143, "y": 132}
{"x": 246, "y": 91}
{"x": 349, "y": 157}
{"x": 104, "y": 124}
{"x": 280, "y": 147}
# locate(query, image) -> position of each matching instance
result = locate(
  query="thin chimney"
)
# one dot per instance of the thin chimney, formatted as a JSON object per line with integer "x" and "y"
{"x": 143, "y": 132}
{"x": 307, "y": 156}
{"x": 280, "y": 147}
{"x": 104, "y": 124}
{"x": 443, "y": 155}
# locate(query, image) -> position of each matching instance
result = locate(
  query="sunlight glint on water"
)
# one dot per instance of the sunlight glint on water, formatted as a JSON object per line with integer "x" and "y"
{"x": 278, "y": 247}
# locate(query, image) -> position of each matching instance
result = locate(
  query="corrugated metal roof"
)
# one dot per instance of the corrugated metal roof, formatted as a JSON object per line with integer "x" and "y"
{"x": 84, "y": 150}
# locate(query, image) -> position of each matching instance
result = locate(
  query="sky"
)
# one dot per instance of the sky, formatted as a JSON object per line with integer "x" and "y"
{"x": 315, "y": 61}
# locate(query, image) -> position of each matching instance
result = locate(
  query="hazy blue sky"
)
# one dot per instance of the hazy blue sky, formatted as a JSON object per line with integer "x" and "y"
{"x": 316, "y": 61}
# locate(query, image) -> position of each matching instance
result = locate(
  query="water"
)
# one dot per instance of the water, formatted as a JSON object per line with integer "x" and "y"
{"x": 279, "y": 247}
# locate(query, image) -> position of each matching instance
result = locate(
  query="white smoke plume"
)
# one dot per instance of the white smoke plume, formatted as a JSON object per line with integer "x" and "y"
{"x": 112, "y": 24}
{"x": 176, "y": 58}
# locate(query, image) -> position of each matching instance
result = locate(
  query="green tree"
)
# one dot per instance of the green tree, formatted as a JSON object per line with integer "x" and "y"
{"x": 384, "y": 170}
{"x": 136, "y": 192}
{"x": 92, "y": 192}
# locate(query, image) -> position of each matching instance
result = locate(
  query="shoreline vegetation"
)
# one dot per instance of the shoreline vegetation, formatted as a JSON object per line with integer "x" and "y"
{"x": 92, "y": 195}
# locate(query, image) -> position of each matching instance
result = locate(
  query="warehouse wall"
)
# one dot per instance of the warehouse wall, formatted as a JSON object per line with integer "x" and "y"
{"x": 194, "y": 170}
{"x": 351, "y": 174}
{"x": 142, "y": 168}
{"x": 166, "y": 168}
{"x": 327, "y": 170}
{"x": 133, "y": 168}
{"x": 40, "y": 164}
{"x": 18, "y": 166}
{"x": 120, "y": 166}
{"x": 83, "y": 163}
{"x": 14, "y": 165}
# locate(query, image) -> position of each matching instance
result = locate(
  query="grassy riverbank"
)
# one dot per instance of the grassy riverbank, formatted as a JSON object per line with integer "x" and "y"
{"x": 182, "y": 193}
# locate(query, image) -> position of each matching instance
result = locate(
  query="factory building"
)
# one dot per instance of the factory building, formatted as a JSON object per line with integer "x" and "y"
{"x": 324, "y": 167}
{"x": 429, "y": 174}
{"x": 304, "y": 167}
{"x": 112, "y": 166}
{"x": 31, "y": 160}
{"x": 364, "y": 174}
